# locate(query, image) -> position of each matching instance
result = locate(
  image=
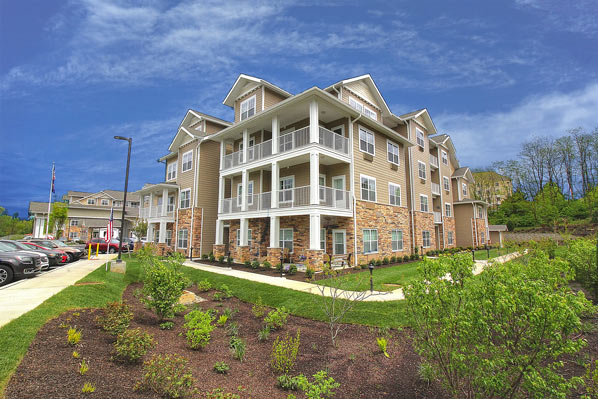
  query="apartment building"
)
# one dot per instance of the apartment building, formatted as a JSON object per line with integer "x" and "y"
{"x": 492, "y": 187}
{"x": 88, "y": 214}
{"x": 326, "y": 172}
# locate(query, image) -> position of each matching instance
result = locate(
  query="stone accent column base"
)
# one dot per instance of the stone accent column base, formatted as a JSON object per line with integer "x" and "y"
{"x": 163, "y": 249}
{"x": 218, "y": 250}
{"x": 243, "y": 254}
{"x": 274, "y": 256}
{"x": 314, "y": 259}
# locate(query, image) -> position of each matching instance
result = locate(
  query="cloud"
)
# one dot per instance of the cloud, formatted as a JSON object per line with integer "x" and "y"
{"x": 577, "y": 16}
{"x": 483, "y": 138}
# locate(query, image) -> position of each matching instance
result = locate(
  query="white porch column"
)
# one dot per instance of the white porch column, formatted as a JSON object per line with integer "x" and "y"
{"x": 219, "y": 232}
{"x": 150, "y": 232}
{"x": 275, "y": 134}
{"x": 274, "y": 184}
{"x": 314, "y": 231}
{"x": 245, "y": 145}
{"x": 243, "y": 233}
{"x": 314, "y": 134}
{"x": 244, "y": 190}
{"x": 164, "y": 206}
{"x": 222, "y": 153}
{"x": 151, "y": 204}
{"x": 221, "y": 183}
{"x": 36, "y": 228}
{"x": 314, "y": 178}
{"x": 274, "y": 231}
{"x": 162, "y": 236}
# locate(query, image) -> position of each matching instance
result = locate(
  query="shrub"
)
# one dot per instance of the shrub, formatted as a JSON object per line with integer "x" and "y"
{"x": 277, "y": 318}
{"x": 406, "y": 258}
{"x": 221, "y": 259}
{"x": 309, "y": 272}
{"x": 258, "y": 309}
{"x": 73, "y": 336}
{"x": 116, "y": 319}
{"x": 590, "y": 380}
{"x": 393, "y": 259}
{"x": 232, "y": 329}
{"x": 237, "y": 348}
{"x": 292, "y": 269}
{"x": 378, "y": 262}
{"x": 211, "y": 257}
{"x": 76, "y": 355}
{"x": 263, "y": 333}
{"x": 132, "y": 344}
{"x": 267, "y": 265}
{"x": 382, "y": 342}
{"x": 247, "y": 263}
{"x": 218, "y": 296}
{"x": 83, "y": 367}
{"x": 279, "y": 267}
{"x": 255, "y": 264}
{"x": 322, "y": 388}
{"x": 88, "y": 387}
{"x": 222, "y": 320}
{"x": 287, "y": 382}
{"x": 167, "y": 325}
{"x": 229, "y": 260}
{"x": 168, "y": 376}
{"x": 581, "y": 255}
{"x": 227, "y": 292}
{"x": 198, "y": 327}
{"x": 385, "y": 261}
{"x": 413, "y": 256}
{"x": 218, "y": 393}
{"x": 221, "y": 367}
{"x": 204, "y": 256}
{"x": 284, "y": 353}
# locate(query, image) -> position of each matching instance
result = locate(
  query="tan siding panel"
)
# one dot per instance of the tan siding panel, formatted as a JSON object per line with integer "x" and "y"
{"x": 207, "y": 192}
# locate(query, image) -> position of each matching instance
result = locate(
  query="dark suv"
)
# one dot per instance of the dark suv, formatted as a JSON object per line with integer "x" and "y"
{"x": 17, "y": 264}
{"x": 47, "y": 257}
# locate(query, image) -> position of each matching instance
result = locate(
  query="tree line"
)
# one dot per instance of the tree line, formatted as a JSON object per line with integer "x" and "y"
{"x": 13, "y": 225}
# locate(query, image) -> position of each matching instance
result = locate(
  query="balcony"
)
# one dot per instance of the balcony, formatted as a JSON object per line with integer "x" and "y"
{"x": 433, "y": 161}
{"x": 286, "y": 143}
{"x": 155, "y": 212}
{"x": 437, "y": 217}
{"x": 435, "y": 189}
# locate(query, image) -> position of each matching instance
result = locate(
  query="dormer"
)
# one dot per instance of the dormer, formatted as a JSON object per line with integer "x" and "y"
{"x": 196, "y": 125}
{"x": 250, "y": 95}
{"x": 447, "y": 154}
{"x": 462, "y": 184}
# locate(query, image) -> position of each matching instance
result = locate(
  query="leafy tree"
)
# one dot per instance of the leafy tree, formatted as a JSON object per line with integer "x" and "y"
{"x": 591, "y": 200}
{"x": 58, "y": 216}
{"x": 581, "y": 254}
{"x": 549, "y": 205}
{"x": 515, "y": 211}
{"x": 499, "y": 334}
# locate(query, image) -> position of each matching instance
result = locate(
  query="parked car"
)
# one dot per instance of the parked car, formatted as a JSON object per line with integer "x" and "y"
{"x": 17, "y": 264}
{"x": 55, "y": 256}
{"x": 128, "y": 243}
{"x": 47, "y": 258}
{"x": 73, "y": 253}
{"x": 102, "y": 246}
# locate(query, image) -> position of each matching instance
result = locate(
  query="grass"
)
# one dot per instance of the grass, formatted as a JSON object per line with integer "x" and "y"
{"x": 17, "y": 335}
{"x": 482, "y": 254}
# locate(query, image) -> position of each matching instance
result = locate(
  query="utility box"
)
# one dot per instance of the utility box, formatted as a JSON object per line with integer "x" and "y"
{"x": 118, "y": 267}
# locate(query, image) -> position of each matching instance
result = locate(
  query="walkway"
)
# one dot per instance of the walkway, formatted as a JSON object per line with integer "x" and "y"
{"x": 24, "y": 295}
{"x": 376, "y": 296}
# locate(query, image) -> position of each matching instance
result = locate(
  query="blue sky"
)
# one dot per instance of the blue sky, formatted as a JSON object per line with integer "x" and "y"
{"x": 75, "y": 73}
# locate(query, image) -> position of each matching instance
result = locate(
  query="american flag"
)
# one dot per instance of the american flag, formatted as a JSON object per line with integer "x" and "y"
{"x": 110, "y": 224}
{"x": 53, "y": 178}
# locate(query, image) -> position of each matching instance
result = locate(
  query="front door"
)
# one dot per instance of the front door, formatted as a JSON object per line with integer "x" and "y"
{"x": 285, "y": 194}
{"x": 225, "y": 238}
{"x": 338, "y": 183}
{"x": 339, "y": 246}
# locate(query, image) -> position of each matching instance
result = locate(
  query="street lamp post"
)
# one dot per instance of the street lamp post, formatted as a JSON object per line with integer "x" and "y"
{"x": 122, "y": 220}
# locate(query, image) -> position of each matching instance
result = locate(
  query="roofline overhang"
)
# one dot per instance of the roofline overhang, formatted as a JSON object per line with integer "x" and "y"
{"x": 209, "y": 118}
{"x": 156, "y": 185}
{"x": 423, "y": 111}
{"x": 387, "y": 112}
{"x": 231, "y": 102}
{"x": 471, "y": 202}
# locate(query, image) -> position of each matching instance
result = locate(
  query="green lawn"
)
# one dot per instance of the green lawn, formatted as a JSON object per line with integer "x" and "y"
{"x": 482, "y": 254}
{"x": 18, "y": 334}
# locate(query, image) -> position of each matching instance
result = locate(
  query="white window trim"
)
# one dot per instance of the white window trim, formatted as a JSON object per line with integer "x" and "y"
{"x": 344, "y": 241}
{"x": 429, "y": 239}
{"x": 247, "y": 100}
{"x": 450, "y": 239}
{"x": 374, "y": 114}
{"x": 450, "y": 208}
{"x": 464, "y": 189}
{"x": 323, "y": 238}
{"x": 375, "y": 188}
{"x": 417, "y": 130}
{"x": 443, "y": 156}
{"x": 280, "y": 179}
{"x": 280, "y": 240}
{"x": 343, "y": 177}
{"x": 402, "y": 241}
{"x": 75, "y": 221}
{"x": 427, "y": 203}
{"x": 342, "y": 127}
{"x": 183, "y": 170}
{"x": 171, "y": 173}
{"x": 425, "y": 170}
{"x": 187, "y": 190}
{"x": 249, "y": 241}
{"x": 398, "y": 163}
{"x": 446, "y": 179}
{"x": 377, "y": 241}
{"x": 91, "y": 201}
{"x": 390, "y": 190}
{"x": 250, "y": 198}
{"x": 178, "y": 238}
{"x": 357, "y": 104}
{"x": 359, "y": 128}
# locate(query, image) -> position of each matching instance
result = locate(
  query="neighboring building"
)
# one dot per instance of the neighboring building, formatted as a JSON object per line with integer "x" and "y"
{"x": 492, "y": 188}
{"x": 88, "y": 214}
{"x": 327, "y": 171}
{"x": 496, "y": 234}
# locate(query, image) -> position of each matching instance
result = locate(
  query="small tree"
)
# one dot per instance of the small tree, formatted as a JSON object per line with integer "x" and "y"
{"x": 581, "y": 255}
{"x": 139, "y": 228}
{"x": 58, "y": 216}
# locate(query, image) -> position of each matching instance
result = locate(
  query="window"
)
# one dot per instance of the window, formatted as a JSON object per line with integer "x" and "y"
{"x": 171, "y": 171}
{"x": 323, "y": 239}
{"x": 185, "y": 198}
{"x": 74, "y": 222}
{"x": 448, "y": 210}
{"x": 74, "y": 235}
{"x": 239, "y": 237}
{"x": 420, "y": 138}
{"x": 239, "y": 194}
{"x": 338, "y": 237}
{"x": 91, "y": 201}
{"x": 394, "y": 193}
{"x": 133, "y": 204}
{"x": 286, "y": 239}
{"x": 248, "y": 108}
{"x": 366, "y": 141}
{"x": 480, "y": 212}
{"x": 170, "y": 204}
{"x": 421, "y": 170}
{"x": 397, "y": 240}
{"x": 368, "y": 188}
{"x": 426, "y": 239}
{"x": 183, "y": 238}
{"x": 393, "y": 153}
{"x": 355, "y": 104}
{"x": 249, "y": 193}
{"x": 187, "y": 161}
{"x": 483, "y": 238}
{"x": 322, "y": 184}
{"x": 446, "y": 183}
{"x": 444, "y": 157}
{"x": 368, "y": 112}
{"x": 118, "y": 203}
{"x": 423, "y": 203}
{"x": 450, "y": 238}
{"x": 370, "y": 241}
{"x": 169, "y": 237}
{"x": 286, "y": 189}
{"x": 464, "y": 188}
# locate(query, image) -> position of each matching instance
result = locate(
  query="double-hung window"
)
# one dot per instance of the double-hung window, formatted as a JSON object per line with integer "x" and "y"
{"x": 286, "y": 239}
{"x": 393, "y": 153}
{"x": 183, "y": 238}
{"x": 74, "y": 222}
{"x": 91, "y": 201}
{"x": 248, "y": 237}
{"x": 355, "y": 104}
{"x": 105, "y": 202}
{"x": 421, "y": 170}
{"x": 449, "y": 238}
{"x": 464, "y": 189}
{"x": 420, "y": 138}
{"x": 370, "y": 113}
{"x": 185, "y": 198}
{"x": 423, "y": 203}
{"x": 370, "y": 241}
{"x": 187, "y": 161}
{"x": 394, "y": 193}
{"x": 119, "y": 203}
{"x": 446, "y": 183}
{"x": 170, "y": 204}
{"x": 426, "y": 239}
{"x": 366, "y": 141}
{"x": 169, "y": 237}
{"x": 444, "y": 157}
{"x": 171, "y": 171}
{"x": 323, "y": 239}
{"x": 396, "y": 239}
{"x": 368, "y": 188}
{"x": 448, "y": 211}
{"x": 248, "y": 108}
{"x": 285, "y": 193}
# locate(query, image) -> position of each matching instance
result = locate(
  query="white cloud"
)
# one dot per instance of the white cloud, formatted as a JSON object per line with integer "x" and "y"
{"x": 483, "y": 138}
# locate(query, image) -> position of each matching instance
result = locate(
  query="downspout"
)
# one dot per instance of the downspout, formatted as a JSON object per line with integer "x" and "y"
{"x": 475, "y": 226}
{"x": 176, "y": 222}
{"x": 338, "y": 93}
{"x": 411, "y": 184}
{"x": 352, "y": 176}
{"x": 194, "y": 204}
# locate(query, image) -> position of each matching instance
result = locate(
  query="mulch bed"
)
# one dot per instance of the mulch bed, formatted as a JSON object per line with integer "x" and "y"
{"x": 49, "y": 370}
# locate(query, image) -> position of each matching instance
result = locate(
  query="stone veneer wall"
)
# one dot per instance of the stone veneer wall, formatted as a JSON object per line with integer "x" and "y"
{"x": 449, "y": 225}
{"x": 184, "y": 222}
{"x": 331, "y": 223}
{"x": 424, "y": 221}
{"x": 481, "y": 228}
{"x": 384, "y": 218}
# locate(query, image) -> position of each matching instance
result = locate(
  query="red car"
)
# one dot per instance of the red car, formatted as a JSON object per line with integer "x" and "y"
{"x": 111, "y": 247}
{"x": 60, "y": 259}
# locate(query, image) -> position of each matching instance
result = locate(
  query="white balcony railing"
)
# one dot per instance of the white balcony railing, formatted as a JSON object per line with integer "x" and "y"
{"x": 435, "y": 188}
{"x": 155, "y": 212}
{"x": 433, "y": 161}
{"x": 293, "y": 197}
{"x": 259, "y": 151}
{"x": 334, "y": 141}
{"x": 334, "y": 198}
{"x": 437, "y": 217}
{"x": 290, "y": 141}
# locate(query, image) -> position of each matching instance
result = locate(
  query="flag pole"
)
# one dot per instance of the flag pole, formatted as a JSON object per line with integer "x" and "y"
{"x": 50, "y": 200}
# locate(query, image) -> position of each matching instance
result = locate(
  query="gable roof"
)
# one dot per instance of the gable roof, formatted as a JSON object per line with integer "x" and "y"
{"x": 183, "y": 130}
{"x": 210, "y": 118}
{"x": 241, "y": 82}
{"x": 498, "y": 227}
{"x": 367, "y": 79}
{"x": 426, "y": 117}
{"x": 38, "y": 207}
{"x": 465, "y": 173}
{"x": 446, "y": 141}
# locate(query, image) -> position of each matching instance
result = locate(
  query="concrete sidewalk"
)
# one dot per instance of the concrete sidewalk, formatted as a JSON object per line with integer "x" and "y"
{"x": 24, "y": 295}
{"x": 376, "y": 296}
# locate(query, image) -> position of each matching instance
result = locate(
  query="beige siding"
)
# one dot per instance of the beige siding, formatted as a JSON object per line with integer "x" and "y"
{"x": 445, "y": 170}
{"x": 185, "y": 179}
{"x": 463, "y": 230}
{"x": 212, "y": 127}
{"x": 271, "y": 98}
{"x": 257, "y": 92}
{"x": 364, "y": 101}
{"x": 301, "y": 173}
{"x": 168, "y": 162}
{"x": 207, "y": 192}
{"x": 418, "y": 154}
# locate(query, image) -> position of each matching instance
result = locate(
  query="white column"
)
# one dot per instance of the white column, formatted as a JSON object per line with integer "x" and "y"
{"x": 314, "y": 231}
{"x": 222, "y": 153}
{"x": 274, "y": 184}
{"x": 162, "y": 236}
{"x": 36, "y": 228}
{"x": 245, "y": 145}
{"x": 244, "y": 190}
{"x": 243, "y": 233}
{"x": 150, "y": 232}
{"x": 221, "y": 183}
{"x": 164, "y": 205}
{"x": 219, "y": 232}
{"x": 151, "y": 204}
{"x": 275, "y": 134}
{"x": 274, "y": 231}
{"x": 314, "y": 178}
{"x": 314, "y": 134}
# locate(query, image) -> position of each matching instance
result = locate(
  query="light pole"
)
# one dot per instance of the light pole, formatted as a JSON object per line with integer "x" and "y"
{"x": 122, "y": 220}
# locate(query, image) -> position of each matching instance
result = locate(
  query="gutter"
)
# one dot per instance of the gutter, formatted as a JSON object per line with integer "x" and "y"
{"x": 352, "y": 176}
{"x": 411, "y": 184}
